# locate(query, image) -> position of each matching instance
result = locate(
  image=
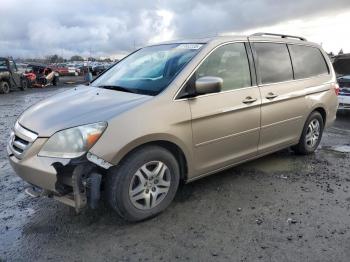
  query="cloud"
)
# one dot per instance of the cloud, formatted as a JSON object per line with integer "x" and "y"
{"x": 198, "y": 17}
{"x": 31, "y": 28}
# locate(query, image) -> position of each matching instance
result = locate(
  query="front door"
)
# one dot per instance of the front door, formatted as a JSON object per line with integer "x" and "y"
{"x": 15, "y": 76}
{"x": 226, "y": 125}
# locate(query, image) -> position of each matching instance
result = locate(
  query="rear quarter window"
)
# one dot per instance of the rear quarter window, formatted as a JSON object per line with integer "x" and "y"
{"x": 307, "y": 61}
{"x": 274, "y": 64}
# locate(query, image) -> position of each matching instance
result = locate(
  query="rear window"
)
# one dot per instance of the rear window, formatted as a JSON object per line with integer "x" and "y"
{"x": 307, "y": 61}
{"x": 274, "y": 62}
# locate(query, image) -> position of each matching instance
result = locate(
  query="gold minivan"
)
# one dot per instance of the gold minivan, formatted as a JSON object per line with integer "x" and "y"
{"x": 174, "y": 112}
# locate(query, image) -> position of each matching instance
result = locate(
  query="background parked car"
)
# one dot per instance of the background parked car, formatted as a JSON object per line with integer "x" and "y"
{"x": 344, "y": 92}
{"x": 62, "y": 70}
{"x": 40, "y": 75}
{"x": 96, "y": 70}
{"x": 10, "y": 77}
{"x": 83, "y": 70}
{"x": 341, "y": 65}
{"x": 72, "y": 71}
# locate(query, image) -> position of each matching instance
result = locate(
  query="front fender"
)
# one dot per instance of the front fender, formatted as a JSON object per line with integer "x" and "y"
{"x": 115, "y": 157}
{"x": 151, "y": 139}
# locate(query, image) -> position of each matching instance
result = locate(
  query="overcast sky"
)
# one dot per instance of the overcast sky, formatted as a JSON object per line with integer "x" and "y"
{"x": 35, "y": 28}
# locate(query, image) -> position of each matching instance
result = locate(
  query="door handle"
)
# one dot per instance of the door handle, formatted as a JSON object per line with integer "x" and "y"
{"x": 271, "y": 96}
{"x": 249, "y": 100}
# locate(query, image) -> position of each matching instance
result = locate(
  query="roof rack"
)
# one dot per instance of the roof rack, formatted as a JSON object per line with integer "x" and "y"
{"x": 280, "y": 35}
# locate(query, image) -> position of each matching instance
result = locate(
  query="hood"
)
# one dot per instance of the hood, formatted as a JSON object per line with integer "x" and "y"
{"x": 78, "y": 106}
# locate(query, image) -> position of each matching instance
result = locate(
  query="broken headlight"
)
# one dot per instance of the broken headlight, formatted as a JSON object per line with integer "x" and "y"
{"x": 73, "y": 142}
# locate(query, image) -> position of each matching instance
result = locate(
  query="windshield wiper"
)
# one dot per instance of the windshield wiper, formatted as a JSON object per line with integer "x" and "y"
{"x": 117, "y": 88}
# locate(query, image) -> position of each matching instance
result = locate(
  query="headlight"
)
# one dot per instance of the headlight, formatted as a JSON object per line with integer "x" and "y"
{"x": 73, "y": 142}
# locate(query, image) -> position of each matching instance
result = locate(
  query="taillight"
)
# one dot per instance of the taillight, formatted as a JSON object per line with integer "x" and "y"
{"x": 335, "y": 86}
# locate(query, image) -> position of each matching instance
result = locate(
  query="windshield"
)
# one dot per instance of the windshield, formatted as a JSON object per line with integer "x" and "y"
{"x": 149, "y": 70}
{"x": 3, "y": 64}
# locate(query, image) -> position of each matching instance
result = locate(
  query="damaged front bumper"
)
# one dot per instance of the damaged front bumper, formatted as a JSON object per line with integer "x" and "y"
{"x": 74, "y": 182}
{"x": 85, "y": 190}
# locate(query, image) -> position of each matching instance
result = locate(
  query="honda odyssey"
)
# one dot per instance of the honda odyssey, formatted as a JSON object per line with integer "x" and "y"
{"x": 174, "y": 112}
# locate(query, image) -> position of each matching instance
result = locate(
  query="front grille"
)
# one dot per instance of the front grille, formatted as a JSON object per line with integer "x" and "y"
{"x": 20, "y": 140}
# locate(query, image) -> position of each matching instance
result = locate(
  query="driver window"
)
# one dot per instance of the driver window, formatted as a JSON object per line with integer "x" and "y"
{"x": 230, "y": 62}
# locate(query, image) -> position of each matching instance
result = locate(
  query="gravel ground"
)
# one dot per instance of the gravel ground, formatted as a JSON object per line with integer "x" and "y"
{"x": 282, "y": 207}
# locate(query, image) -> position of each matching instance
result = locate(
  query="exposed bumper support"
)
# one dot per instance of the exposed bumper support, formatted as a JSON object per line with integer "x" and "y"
{"x": 79, "y": 189}
{"x": 86, "y": 189}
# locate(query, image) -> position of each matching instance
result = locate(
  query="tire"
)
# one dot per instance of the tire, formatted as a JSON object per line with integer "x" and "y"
{"x": 310, "y": 137}
{"x": 55, "y": 81}
{"x": 4, "y": 87}
{"x": 24, "y": 84}
{"x": 123, "y": 179}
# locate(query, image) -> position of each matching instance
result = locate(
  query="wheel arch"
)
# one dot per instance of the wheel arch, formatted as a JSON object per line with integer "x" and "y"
{"x": 320, "y": 109}
{"x": 5, "y": 79}
{"x": 180, "y": 153}
{"x": 323, "y": 113}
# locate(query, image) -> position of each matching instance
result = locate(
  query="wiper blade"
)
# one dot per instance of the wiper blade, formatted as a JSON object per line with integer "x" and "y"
{"x": 117, "y": 88}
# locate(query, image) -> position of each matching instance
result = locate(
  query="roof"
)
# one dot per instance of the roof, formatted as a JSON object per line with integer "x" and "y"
{"x": 280, "y": 38}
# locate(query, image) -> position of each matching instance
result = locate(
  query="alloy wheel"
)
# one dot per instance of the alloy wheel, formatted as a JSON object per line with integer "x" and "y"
{"x": 149, "y": 185}
{"x": 313, "y": 133}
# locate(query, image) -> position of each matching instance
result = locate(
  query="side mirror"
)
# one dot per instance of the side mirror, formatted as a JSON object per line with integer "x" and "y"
{"x": 208, "y": 84}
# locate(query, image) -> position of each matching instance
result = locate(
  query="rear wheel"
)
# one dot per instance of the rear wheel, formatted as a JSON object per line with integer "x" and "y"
{"x": 144, "y": 184}
{"x": 311, "y": 136}
{"x": 4, "y": 87}
{"x": 24, "y": 84}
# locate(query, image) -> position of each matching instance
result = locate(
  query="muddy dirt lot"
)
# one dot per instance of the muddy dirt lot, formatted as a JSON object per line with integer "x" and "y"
{"x": 282, "y": 207}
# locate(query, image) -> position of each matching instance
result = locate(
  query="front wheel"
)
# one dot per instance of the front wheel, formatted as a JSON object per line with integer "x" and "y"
{"x": 4, "y": 87}
{"x": 144, "y": 184}
{"x": 311, "y": 136}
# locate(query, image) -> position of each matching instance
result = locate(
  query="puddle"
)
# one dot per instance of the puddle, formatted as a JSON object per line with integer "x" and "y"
{"x": 341, "y": 148}
{"x": 337, "y": 148}
{"x": 284, "y": 161}
{"x": 277, "y": 163}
